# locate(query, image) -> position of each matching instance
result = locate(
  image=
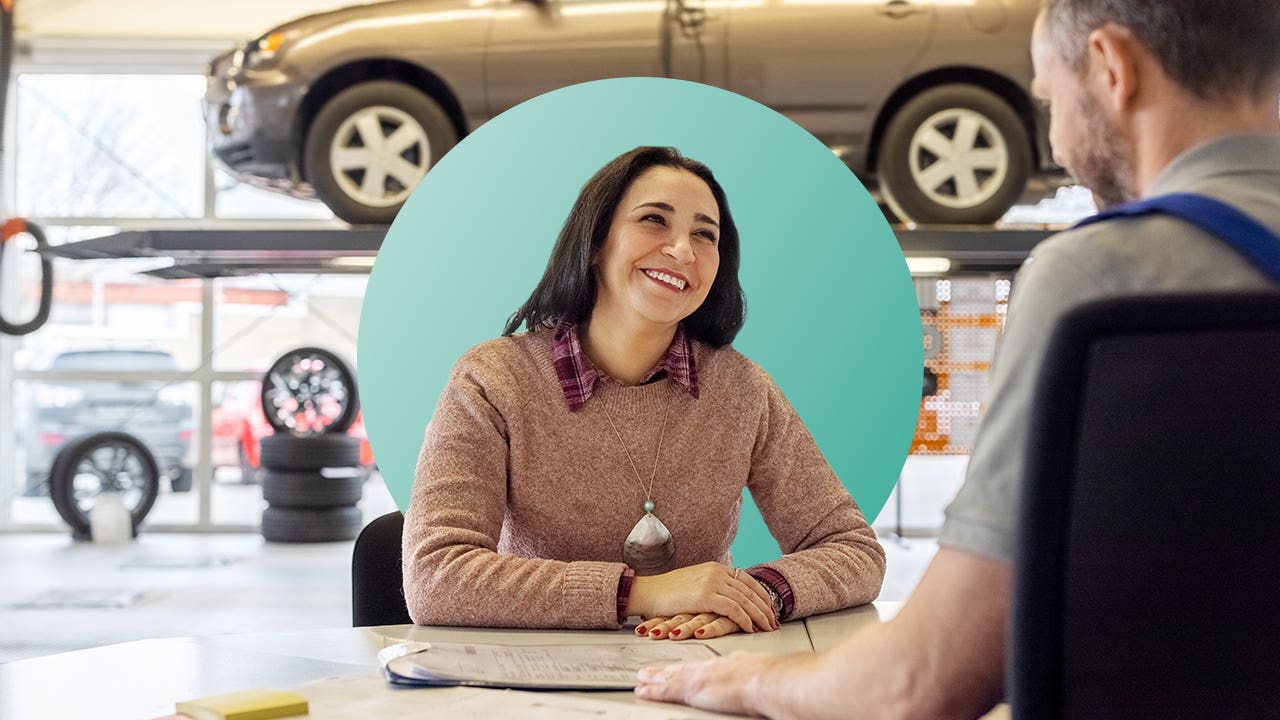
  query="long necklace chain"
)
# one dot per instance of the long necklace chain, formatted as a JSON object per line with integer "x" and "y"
{"x": 648, "y": 494}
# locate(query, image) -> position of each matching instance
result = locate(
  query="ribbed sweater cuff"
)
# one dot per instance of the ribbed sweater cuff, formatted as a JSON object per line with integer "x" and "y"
{"x": 591, "y": 595}
{"x": 624, "y": 593}
{"x": 775, "y": 580}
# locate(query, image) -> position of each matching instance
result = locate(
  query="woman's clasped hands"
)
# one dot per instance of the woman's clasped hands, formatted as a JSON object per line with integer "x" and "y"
{"x": 700, "y": 601}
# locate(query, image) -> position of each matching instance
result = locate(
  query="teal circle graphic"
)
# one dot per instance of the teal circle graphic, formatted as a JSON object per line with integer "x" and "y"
{"x": 832, "y": 311}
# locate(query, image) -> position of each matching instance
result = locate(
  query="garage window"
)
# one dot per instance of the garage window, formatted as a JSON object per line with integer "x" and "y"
{"x": 126, "y": 146}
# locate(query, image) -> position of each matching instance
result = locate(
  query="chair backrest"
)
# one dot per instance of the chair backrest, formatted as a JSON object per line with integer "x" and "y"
{"x": 1146, "y": 584}
{"x": 377, "y": 585}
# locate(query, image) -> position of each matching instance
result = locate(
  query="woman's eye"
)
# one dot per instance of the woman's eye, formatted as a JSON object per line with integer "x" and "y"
{"x": 708, "y": 236}
{"x": 655, "y": 218}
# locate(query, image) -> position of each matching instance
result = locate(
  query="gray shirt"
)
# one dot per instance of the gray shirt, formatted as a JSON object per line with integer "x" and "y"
{"x": 1146, "y": 255}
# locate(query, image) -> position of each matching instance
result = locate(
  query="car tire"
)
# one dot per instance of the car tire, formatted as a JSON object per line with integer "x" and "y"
{"x": 288, "y": 452}
{"x": 248, "y": 473}
{"x": 276, "y": 390}
{"x": 62, "y": 477}
{"x": 183, "y": 482}
{"x": 392, "y": 107}
{"x": 915, "y": 178}
{"x": 291, "y": 525}
{"x": 334, "y": 487}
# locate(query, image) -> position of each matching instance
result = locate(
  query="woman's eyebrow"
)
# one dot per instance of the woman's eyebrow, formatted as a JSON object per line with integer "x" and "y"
{"x": 669, "y": 208}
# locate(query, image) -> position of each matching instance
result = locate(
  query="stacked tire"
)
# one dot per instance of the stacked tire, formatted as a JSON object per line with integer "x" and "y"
{"x": 311, "y": 475}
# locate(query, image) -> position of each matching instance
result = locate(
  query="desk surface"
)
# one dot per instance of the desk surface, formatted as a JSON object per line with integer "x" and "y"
{"x": 144, "y": 679}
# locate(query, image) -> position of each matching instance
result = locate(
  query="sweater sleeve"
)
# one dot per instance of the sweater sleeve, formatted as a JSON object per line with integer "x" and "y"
{"x": 831, "y": 559}
{"x": 453, "y": 573}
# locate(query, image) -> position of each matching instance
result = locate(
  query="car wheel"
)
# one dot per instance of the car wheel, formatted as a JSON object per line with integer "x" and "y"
{"x": 182, "y": 481}
{"x": 248, "y": 473}
{"x": 335, "y": 487}
{"x": 954, "y": 154}
{"x": 310, "y": 391}
{"x": 108, "y": 461}
{"x": 280, "y": 524}
{"x": 370, "y": 145}
{"x": 286, "y": 452}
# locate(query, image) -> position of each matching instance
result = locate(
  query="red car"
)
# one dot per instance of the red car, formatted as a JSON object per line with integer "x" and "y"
{"x": 239, "y": 426}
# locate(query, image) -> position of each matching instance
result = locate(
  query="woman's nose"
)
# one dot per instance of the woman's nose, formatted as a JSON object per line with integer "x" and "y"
{"x": 680, "y": 248}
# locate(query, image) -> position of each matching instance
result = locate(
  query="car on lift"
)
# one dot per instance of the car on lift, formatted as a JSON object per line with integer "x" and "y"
{"x": 927, "y": 99}
{"x": 160, "y": 414}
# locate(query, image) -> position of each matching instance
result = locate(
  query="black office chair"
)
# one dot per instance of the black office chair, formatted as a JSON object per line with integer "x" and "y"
{"x": 377, "y": 587}
{"x": 1147, "y": 584}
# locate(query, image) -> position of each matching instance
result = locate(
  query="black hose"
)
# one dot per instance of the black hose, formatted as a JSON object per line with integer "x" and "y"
{"x": 17, "y": 227}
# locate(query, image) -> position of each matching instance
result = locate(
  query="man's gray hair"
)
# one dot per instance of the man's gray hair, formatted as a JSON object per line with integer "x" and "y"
{"x": 1213, "y": 48}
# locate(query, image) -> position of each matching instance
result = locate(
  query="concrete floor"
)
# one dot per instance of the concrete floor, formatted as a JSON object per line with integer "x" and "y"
{"x": 57, "y": 595}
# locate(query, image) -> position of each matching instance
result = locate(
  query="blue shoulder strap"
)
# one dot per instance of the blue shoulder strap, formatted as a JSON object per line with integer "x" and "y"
{"x": 1250, "y": 237}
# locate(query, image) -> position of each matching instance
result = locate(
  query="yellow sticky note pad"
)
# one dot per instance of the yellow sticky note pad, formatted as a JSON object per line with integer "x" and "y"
{"x": 245, "y": 705}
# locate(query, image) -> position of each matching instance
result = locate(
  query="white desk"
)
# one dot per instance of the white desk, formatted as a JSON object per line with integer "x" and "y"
{"x": 827, "y": 631}
{"x": 144, "y": 679}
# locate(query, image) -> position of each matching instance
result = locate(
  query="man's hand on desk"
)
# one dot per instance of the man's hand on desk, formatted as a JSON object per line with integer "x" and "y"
{"x": 702, "y": 626}
{"x": 729, "y": 684}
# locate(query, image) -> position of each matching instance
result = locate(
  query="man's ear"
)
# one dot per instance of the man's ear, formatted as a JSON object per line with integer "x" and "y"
{"x": 1114, "y": 65}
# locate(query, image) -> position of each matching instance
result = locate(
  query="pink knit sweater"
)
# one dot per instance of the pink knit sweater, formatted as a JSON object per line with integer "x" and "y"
{"x": 520, "y": 507}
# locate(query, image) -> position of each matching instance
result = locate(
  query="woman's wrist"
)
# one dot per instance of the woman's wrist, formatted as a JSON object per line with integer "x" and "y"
{"x": 780, "y": 594}
{"x": 638, "y": 602}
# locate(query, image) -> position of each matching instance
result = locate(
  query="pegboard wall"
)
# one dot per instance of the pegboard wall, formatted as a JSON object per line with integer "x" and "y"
{"x": 962, "y": 317}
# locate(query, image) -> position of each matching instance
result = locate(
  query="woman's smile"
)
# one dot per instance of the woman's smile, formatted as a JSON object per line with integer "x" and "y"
{"x": 667, "y": 279}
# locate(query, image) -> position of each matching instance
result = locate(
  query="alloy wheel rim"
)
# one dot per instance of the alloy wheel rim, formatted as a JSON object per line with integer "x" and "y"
{"x": 958, "y": 158}
{"x": 111, "y": 467}
{"x": 307, "y": 394}
{"x": 378, "y": 155}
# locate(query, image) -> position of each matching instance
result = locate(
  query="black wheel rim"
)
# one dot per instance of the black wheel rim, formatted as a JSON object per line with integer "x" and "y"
{"x": 110, "y": 467}
{"x": 306, "y": 393}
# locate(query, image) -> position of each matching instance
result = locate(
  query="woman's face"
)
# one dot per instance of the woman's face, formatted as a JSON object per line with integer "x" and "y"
{"x": 662, "y": 252}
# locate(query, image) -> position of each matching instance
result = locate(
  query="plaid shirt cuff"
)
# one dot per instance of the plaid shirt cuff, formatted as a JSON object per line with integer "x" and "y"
{"x": 773, "y": 580}
{"x": 624, "y": 593}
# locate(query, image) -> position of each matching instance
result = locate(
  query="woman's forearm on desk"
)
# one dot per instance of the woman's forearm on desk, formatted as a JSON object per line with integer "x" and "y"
{"x": 475, "y": 586}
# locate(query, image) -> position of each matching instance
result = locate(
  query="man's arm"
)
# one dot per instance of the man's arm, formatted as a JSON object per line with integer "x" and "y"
{"x": 941, "y": 657}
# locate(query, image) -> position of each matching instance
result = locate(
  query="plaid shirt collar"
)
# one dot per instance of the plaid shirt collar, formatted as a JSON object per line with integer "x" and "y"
{"x": 578, "y": 376}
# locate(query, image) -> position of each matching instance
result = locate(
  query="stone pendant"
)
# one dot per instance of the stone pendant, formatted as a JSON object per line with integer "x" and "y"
{"x": 649, "y": 547}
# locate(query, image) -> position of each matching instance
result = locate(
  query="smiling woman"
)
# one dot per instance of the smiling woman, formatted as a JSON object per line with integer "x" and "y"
{"x": 591, "y": 468}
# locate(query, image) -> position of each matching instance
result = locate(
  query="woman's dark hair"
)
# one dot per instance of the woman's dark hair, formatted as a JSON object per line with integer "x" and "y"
{"x": 568, "y": 285}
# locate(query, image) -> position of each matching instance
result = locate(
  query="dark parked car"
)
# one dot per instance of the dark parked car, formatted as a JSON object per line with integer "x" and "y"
{"x": 158, "y": 414}
{"x": 929, "y": 98}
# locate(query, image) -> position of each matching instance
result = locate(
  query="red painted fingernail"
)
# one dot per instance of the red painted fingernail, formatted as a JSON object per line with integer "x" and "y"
{"x": 641, "y": 630}
{"x": 656, "y": 633}
{"x": 676, "y": 631}
{"x": 699, "y": 632}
